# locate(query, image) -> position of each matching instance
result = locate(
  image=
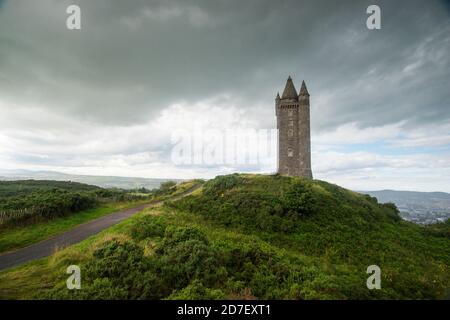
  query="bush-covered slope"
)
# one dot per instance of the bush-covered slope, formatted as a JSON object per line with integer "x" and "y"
{"x": 25, "y": 187}
{"x": 268, "y": 237}
{"x": 29, "y": 201}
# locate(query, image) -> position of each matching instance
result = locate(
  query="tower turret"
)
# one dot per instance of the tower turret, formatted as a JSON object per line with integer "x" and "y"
{"x": 289, "y": 92}
{"x": 303, "y": 90}
{"x": 303, "y": 95}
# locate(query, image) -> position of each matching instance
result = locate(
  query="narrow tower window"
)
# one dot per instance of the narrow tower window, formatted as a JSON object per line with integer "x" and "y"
{"x": 290, "y": 152}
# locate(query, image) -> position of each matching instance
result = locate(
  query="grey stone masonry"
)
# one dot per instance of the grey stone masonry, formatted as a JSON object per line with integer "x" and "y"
{"x": 294, "y": 138}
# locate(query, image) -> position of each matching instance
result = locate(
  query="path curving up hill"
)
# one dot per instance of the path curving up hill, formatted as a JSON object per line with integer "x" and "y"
{"x": 79, "y": 233}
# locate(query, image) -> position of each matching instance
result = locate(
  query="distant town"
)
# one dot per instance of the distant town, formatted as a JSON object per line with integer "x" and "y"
{"x": 417, "y": 207}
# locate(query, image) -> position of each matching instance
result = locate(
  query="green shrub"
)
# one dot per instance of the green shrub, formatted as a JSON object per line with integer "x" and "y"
{"x": 148, "y": 227}
{"x": 100, "y": 289}
{"x": 197, "y": 291}
{"x": 220, "y": 184}
{"x": 392, "y": 211}
{"x": 43, "y": 205}
{"x": 248, "y": 210}
{"x": 115, "y": 260}
{"x": 167, "y": 185}
{"x": 299, "y": 198}
{"x": 176, "y": 235}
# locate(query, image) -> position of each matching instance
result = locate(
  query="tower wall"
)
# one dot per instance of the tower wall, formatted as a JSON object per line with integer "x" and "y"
{"x": 288, "y": 138}
{"x": 304, "y": 133}
{"x": 294, "y": 142}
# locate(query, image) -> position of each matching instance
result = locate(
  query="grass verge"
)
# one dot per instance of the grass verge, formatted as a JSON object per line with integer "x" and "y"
{"x": 24, "y": 281}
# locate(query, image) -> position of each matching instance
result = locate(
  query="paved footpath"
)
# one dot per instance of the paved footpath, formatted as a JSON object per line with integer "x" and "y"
{"x": 77, "y": 234}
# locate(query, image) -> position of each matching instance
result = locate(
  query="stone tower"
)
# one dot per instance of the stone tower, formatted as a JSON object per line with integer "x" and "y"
{"x": 294, "y": 139}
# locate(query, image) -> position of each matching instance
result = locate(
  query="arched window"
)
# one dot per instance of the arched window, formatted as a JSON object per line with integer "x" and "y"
{"x": 290, "y": 152}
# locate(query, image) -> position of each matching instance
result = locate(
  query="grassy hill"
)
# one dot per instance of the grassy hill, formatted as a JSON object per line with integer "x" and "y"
{"x": 252, "y": 237}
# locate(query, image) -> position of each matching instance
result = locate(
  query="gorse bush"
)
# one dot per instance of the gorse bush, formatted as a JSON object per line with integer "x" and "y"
{"x": 30, "y": 201}
{"x": 299, "y": 198}
{"x": 44, "y": 205}
{"x": 166, "y": 188}
{"x": 392, "y": 211}
{"x": 147, "y": 227}
{"x": 176, "y": 235}
{"x": 220, "y": 184}
{"x": 197, "y": 291}
{"x": 121, "y": 268}
{"x": 167, "y": 185}
{"x": 244, "y": 209}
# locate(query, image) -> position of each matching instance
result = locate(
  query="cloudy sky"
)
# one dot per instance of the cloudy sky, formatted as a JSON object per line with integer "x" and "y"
{"x": 106, "y": 99}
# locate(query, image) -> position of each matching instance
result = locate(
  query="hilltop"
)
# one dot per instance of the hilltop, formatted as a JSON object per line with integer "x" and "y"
{"x": 254, "y": 237}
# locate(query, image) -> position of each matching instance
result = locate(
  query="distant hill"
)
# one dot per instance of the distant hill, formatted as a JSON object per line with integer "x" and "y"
{"x": 419, "y": 207}
{"x": 101, "y": 181}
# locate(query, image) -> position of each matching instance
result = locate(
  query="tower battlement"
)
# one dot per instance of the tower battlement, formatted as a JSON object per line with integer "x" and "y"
{"x": 293, "y": 124}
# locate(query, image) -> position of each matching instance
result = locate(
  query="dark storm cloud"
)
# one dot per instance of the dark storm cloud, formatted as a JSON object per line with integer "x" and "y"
{"x": 133, "y": 59}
